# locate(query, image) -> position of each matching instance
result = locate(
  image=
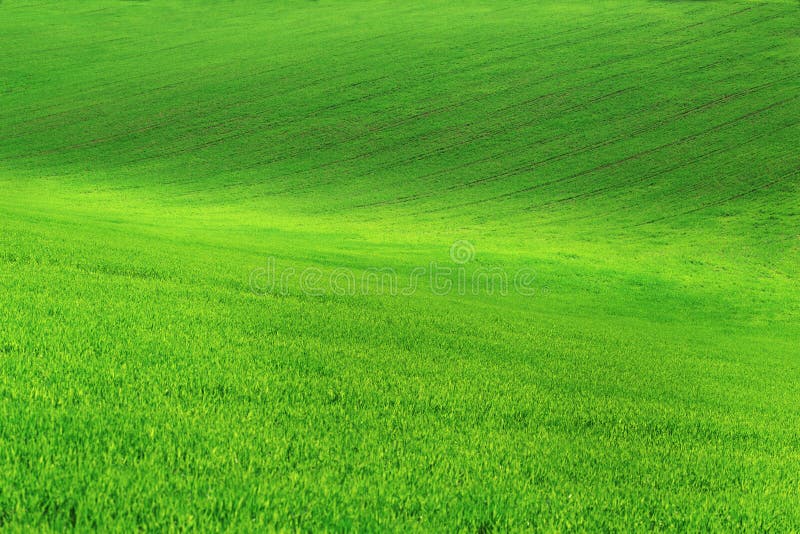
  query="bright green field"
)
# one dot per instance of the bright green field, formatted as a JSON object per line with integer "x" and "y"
{"x": 639, "y": 158}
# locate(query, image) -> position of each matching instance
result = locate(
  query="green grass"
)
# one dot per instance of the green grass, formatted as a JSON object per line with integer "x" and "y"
{"x": 638, "y": 157}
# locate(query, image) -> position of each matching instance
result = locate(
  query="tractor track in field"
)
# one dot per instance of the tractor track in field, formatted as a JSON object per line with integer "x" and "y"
{"x": 648, "y": 176}
{"x": 331, "y": 107}
{"x": 220, "y": 67}
{"x": 197, "y": 132}
{"x": 622, "y": 185}
{"x": 479, "y": 136}
{"x": 424, "y": 114}
{"x": 463, "y": 142}
{"x": 587, "y": 148}
{"x": 721, "y": 202}
{"x": 244, "y": 133}
{"x": 629, "y": 208}
{"x": 420, "y": 82}
{"x": 596, "y": 66}
{"x": 639, "y": 155}
{"x": 494, "y": 157}
{"x": 298, "y": 65}
{"x": 444, "y": 108}
{"x": 682, "y": 140}
{"x": 96, "y": 141}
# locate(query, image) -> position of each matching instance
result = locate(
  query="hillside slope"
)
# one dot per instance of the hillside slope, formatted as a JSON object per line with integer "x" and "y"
{"x": 163, "y": 162}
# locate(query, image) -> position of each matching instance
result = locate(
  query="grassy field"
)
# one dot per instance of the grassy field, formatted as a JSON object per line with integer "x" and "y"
{"x": 399, "y": 266}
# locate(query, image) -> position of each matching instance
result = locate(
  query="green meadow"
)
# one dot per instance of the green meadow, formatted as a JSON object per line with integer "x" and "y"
{"x": 342, "y": 265}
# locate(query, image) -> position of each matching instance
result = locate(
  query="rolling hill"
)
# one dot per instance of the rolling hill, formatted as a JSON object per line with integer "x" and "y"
{"x": 346, "y": 265}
